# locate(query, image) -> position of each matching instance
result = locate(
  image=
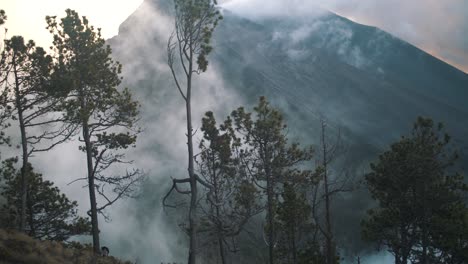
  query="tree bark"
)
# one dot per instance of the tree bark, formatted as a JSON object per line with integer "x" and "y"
{"x": 90, "y": 167}
{"x": 330, "y": 254}
{"x": 191, "y": 171}
{"x": 294, "y": 247}
{"x": 219, "y": 224}
{"x": 92, "y": 191}
{"x": 24, "y": 146}
{"x": 270, "y": 201}
{"x": 221, "y": 250}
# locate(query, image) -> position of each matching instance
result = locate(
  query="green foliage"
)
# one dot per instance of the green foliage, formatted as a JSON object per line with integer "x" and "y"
{"x": 420, "y": 198}
{"x": 294, "y": 224}
{"x": 3, "y": 17}
{"x": 268, "y": 158}
{"x": 265, "y": 145}
{"x": 50, "y": 214}
{"x": 87, "y": 75}
{"x": 24, "y": 73}
{"x": 195, "y": 24}
{"x": 25, "y": 70}
{"x": 311, "y": 254}
{"x": 232, "y": 198}
{"x": 86, "y": 79}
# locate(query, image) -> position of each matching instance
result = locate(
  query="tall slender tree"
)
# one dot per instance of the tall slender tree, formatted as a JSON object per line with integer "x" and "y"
{"x": 87, "y": 80}
{"x": 26, "y": 73}
{"x": 188, "y": 48}
{"x": 332, "y": 181}
{"x": 4, "y": 110}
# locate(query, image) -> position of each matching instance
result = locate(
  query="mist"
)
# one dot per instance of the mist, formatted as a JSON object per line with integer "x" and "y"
{"x": 438, "y": 27}
{"x": 140, "y": 229}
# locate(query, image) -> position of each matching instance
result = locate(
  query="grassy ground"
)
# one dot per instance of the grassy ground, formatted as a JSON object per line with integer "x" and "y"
{"x": 16, "y": 248}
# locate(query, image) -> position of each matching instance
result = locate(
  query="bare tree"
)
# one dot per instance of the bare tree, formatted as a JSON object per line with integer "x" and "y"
{"x": 187, "y": 49}
{"x": 329, "y": 153}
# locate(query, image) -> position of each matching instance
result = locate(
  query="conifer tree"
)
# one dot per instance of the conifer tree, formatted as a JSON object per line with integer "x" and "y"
{"x": 420, "y": 198}
{"x": 3, "y": 17}
{"x": 269, "y": 158}
{"x": 232, "y": 196}
{"x": 49, "y": 214}
{"x": 25, "y": 71}
{"x": 87, "y": 80}
{"x": 294, "y": 223}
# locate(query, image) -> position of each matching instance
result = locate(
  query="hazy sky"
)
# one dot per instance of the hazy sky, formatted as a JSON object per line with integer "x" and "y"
{"x": 440, "y": 27}
{"x": 27, "y": 17}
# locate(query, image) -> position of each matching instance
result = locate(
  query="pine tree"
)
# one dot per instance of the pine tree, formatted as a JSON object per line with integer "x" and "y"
{"x": 86, "y": 78}
{"x": 3, "y": 17}
{"x": 50, "y": 214}
{"x": 271, "y": 161}
{"x": 420, "y": 198}
{"x": 231, "y": 196}
{"x": 26, "y": 73}
{"x": 294, "y": 223}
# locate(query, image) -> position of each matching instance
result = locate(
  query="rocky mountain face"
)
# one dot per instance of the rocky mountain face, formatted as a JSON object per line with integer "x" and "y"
{"x": 364, "y": 81}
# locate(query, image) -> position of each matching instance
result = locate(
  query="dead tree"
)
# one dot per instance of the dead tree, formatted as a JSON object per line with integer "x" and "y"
{"x": 329, "y": 153}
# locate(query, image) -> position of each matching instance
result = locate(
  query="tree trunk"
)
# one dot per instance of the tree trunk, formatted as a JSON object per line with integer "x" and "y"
{"x": 24, "y": 146}
{"x": 330, "y": 252}
{"x": 219, "y": 224}
{"x": 270, "y": 214}
{"x": 221, "y": 250}
{"x": 397, "y": 259}
{"x": 91, "y": 187}
{"x": 193, "y": 181}
{"x": 32, "y": 231}
{"x": 293, "y": 240}
{"x": 404, "y": 249}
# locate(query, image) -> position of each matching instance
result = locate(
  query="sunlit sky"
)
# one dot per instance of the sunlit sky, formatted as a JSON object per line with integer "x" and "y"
{"x": 27, "y": 17}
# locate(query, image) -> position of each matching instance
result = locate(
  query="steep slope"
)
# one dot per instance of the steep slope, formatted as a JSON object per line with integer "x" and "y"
{"x": 361, "y": 77}
{"x": 366, "y": 82}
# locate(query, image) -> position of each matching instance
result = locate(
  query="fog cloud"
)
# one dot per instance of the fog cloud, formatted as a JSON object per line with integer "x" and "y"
{"x": 438, "y": 27}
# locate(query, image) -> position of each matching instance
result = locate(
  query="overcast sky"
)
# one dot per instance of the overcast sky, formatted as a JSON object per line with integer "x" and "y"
{"x": 440, "y": 27}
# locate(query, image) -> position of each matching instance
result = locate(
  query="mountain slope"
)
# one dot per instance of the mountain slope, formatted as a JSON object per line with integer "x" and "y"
{"x": 366, "y": 82}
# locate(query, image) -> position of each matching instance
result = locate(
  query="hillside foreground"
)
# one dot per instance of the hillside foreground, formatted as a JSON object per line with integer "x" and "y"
{"x": 16, "y": 248}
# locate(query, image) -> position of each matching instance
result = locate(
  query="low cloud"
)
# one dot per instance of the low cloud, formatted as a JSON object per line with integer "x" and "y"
{"x": 438, "y": 27}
